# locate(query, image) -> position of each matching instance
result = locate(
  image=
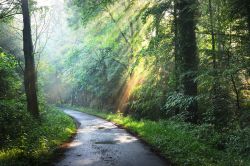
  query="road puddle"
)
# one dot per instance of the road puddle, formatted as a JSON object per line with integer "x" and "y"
{"x": 100, "y": 128}
{"x": 106, "y": 142}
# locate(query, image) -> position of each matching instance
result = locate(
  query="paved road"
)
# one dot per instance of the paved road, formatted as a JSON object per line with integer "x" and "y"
{"x": 101, "y": 143}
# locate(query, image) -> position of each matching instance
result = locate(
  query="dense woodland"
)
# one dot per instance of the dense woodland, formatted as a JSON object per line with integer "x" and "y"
{"x": 162, "y": 59}
{"x": 182, "y": 63}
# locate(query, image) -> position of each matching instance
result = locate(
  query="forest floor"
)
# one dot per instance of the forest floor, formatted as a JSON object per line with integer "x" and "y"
{"x": 101, "y": 143}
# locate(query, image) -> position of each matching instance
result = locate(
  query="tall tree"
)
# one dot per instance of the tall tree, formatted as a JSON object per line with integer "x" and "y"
{"x": 176, "y": 47}
{"x": 30, "y": 72}
{"x": 188, "y": 52}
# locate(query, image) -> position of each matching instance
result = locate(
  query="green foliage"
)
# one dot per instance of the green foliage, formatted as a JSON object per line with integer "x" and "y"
{"x": 178, "y": 101}
{"x": 9, "y": 80}
{"x": 101, "y": 68}
{"x": 88, "y": 9}
{"x": 24, "y": 140}
{"x": 237, "y": 141}
{"x": 239, "y": 8}
{"x": 12, "y": 115}
{"x": 98, "y": 67}
{"x": 11, "y": 99}
{"x": 146, "y": 102}
{"x": 30, "y": 142}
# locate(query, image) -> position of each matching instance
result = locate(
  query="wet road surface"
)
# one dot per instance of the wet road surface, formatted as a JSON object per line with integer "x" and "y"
{"x": 101, "y": 143}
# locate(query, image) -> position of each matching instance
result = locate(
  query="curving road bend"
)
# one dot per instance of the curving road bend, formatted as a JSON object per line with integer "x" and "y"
{"x": 101, "y": 143}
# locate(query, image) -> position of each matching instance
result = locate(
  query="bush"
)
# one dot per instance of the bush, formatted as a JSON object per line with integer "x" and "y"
{"x": 29, "y": 142}
{"x": 238, "y": 141}
{"x": 13, "y": 119}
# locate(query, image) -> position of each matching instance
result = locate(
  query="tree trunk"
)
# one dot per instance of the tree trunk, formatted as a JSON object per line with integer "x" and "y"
{"x": 212, "y": 34}
{"x": 30, "y": 73}
{"x": 188, "y": 52}
{"x": 177, "y": 57}
{"x": 248, "y": 17}
{"x": 176, "y": 49}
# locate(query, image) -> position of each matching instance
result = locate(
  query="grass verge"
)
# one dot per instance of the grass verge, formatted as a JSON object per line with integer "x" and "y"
{"x": 180, "y": 142}
{"x": 39, "y": 140}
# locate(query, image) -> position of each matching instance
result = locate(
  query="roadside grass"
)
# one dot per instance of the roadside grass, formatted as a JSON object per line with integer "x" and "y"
{"x": 38, "y": 140}
{"x": 180, "y": 142}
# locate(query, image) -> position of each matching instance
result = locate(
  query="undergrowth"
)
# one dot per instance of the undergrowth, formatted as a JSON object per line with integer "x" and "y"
{"x": 29, "y": 142}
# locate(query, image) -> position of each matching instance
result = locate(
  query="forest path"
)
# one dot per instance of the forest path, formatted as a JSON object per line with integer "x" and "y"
{"x": 101, "y": 143}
